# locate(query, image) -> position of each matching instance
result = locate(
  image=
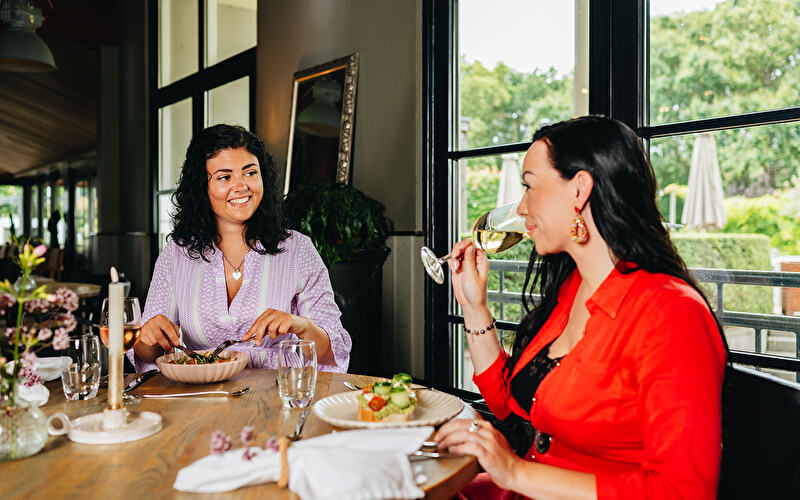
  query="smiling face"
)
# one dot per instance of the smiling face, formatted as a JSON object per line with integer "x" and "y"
{"x": 235, "y": 187}
{"x": 548, "y": 202}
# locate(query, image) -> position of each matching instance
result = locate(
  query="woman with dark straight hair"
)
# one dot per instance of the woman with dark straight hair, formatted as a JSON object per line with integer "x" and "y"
{"x": 230, "y": 269}
{"x": 619, "y": 362}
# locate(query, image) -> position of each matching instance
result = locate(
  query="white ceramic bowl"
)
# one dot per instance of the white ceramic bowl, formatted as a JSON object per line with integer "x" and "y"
{"x": 202, "y": 374}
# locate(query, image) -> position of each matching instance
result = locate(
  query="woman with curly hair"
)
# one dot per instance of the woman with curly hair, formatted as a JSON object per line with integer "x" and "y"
{"x": 230, "y": 269}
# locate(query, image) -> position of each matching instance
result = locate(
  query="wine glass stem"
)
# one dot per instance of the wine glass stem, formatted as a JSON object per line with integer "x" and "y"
{"x": 444, "y": 259}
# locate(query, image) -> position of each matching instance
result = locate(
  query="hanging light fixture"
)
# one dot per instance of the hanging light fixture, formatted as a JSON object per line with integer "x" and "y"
{"x": 21, "y": 50}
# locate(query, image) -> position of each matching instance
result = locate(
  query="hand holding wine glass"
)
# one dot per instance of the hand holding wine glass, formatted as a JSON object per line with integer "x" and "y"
{"x": 494, "y": 232}
{"x": 131, "y": 322}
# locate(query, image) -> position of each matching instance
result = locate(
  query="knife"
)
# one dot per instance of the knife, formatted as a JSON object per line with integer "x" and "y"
{"x": 140, "y": 379}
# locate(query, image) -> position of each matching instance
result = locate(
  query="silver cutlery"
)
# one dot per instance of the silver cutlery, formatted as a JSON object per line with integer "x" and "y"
{"x": 188, "y": 351}
{"x": 141, "y": 379}
{"x": 433, "y": 454}
{"x": 234, "y": 393}
{"x": 354, "y": 387}
{"x": 222, "y": 346}
{"x": 298, "y": 428}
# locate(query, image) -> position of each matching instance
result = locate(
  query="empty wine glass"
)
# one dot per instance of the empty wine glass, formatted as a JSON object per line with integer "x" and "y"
{"x": 494, "y": 232}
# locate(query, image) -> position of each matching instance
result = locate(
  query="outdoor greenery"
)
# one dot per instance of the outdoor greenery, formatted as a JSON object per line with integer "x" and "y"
{"x": 340, "y": 220}
{"x": 729, "y": 251}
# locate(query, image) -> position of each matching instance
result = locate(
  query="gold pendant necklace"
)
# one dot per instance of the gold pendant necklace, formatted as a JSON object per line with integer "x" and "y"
{"x": 237, "y": 273}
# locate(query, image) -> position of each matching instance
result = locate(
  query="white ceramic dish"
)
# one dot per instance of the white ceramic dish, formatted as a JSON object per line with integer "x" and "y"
{"x": 433, "y": 408}
{"x": 202, "y": 374}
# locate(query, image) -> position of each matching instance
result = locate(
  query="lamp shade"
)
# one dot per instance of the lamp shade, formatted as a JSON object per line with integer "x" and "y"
{"x": 20, "y": 49}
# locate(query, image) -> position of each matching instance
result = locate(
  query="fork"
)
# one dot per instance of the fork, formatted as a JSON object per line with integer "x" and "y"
{"x": 222, "y": 346}
{"x": 234, "y": 393}
{"x": 354, "y": 387}
{"x": 188, "y": 352}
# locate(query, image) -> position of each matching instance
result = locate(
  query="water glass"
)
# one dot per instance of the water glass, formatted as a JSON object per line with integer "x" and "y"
{"x": 297, "y": 372}
{"x": 80, "y": 368}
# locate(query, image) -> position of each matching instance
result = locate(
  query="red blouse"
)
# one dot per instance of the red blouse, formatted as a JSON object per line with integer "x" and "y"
{"x": 637, "y": 400}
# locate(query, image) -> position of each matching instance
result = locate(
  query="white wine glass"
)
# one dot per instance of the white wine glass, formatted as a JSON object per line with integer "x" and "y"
{"x": 494, "y": 232}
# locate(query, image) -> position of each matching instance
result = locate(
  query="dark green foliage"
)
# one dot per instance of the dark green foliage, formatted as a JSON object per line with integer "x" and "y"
{"x": 729, "y": 251}
{"x": 339, "y": 219}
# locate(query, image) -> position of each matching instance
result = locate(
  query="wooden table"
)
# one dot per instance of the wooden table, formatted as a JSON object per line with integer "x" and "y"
{"x": 147, "y": 468}
{"x": 83, "y": 290}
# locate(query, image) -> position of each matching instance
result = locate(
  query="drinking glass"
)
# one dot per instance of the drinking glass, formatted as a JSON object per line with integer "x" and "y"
{"x": 131, "y": 322}
{"x": 297, "y": 372}
{"x": 80, "y": 368}
{"x": 494, "y": 232}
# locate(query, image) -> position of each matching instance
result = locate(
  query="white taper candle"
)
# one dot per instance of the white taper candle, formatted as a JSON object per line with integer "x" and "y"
{"x": 116, "y": 296}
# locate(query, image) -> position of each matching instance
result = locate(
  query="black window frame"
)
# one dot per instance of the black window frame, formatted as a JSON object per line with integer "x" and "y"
{"x": 618, "y": 88}
{"x": 194, "y": 86}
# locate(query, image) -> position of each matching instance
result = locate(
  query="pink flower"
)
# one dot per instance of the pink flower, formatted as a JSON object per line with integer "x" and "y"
{"x": 248, "y": 454}
{"x": 44, "y": 334}
{"x": 220, "y": 442}
{"x": 29, "y": 376}
{"x": 29, "y": 359}
{"x": 246, "y": 435}
{"x": 271, "y": 444}
{"x": 6, "y": 301}
{"x": 39, "y": 250}
{"x": 66, "y": 299}
{"x": 61, "y": 340}
{"x": 66, "y": 320}
{"x": 36, "y": 306}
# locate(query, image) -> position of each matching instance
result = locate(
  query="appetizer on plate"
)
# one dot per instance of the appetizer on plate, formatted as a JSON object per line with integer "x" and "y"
{"x": 387, "y": 400}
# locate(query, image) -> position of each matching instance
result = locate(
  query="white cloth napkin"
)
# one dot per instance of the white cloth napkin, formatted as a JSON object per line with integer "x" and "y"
{"x": 368, "y": 464}
{"x": 50, "y": 368}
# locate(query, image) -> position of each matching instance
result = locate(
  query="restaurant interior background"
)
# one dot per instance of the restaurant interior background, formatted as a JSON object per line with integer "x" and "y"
{"x": 449, "y": 93}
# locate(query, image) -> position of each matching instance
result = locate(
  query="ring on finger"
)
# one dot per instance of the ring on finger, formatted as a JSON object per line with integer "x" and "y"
{"x": 474, "y": 426}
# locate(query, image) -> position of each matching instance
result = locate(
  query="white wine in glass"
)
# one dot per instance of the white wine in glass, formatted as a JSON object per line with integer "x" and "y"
{"x": 494, "y": 232}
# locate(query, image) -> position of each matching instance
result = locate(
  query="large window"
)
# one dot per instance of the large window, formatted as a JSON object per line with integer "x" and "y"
{"x": 205, "y": 75}
{"x": 709, "y": 85}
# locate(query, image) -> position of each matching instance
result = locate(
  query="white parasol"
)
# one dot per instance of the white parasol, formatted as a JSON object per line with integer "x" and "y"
{"x": 510, "y": 189}
{"x": 704, "y": 208}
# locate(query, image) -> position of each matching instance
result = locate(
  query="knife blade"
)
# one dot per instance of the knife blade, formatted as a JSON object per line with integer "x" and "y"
{"x": 140, "y": 379}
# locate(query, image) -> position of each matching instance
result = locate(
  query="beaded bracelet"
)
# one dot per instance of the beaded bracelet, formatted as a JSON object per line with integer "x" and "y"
{"x": 481, "y": 332}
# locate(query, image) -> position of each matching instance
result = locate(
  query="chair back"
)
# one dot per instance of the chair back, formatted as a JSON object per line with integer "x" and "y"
{"x": 53, "y": 262}
{"x": 760, "y": 436}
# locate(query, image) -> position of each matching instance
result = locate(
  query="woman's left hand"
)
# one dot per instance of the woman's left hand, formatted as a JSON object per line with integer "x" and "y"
{"x": 487, "y": 444}
{"x": 273, "y": 323}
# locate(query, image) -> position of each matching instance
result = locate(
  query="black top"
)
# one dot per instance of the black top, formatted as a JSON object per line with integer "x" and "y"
{"x": 527, "y": 380}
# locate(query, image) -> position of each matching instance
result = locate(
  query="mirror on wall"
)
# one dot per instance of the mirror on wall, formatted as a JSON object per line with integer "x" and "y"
{"x": 322, "y": 122}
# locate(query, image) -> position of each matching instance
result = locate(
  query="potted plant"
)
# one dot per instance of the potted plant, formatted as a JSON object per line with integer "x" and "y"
{"x": 349, "y": 230}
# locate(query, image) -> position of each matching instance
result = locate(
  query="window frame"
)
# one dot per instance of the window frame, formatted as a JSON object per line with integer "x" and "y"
{"x": 194, "y": 87}
{"x": 618, "y": 88}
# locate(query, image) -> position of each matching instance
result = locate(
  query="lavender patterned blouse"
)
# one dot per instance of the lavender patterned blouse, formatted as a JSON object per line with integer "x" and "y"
{"x": 192, "y": 294}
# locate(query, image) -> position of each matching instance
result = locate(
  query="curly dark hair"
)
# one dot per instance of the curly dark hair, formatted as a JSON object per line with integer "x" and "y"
{"x": 195, "y": 227}
{"x": 624, "y": 209}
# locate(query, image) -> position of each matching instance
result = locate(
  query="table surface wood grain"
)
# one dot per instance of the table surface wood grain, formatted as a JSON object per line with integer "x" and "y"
{"x": 147, "y": 468}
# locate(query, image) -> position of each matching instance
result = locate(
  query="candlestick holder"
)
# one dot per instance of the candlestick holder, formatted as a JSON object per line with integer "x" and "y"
{"x": 115, "y": 424}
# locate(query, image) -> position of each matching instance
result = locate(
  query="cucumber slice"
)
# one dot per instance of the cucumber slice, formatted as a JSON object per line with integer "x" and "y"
{"x": 403, "y": 378}
{"x": 400, "y": 399}
{"x": 382, "y": 387}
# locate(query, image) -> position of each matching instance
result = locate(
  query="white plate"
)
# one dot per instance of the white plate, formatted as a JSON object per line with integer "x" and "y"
{"x": 433, "y": 408}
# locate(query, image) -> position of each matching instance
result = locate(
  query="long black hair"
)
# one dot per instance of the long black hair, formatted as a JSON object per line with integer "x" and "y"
{"x": 195, "y": 225}
{"x": 623, "y": 203}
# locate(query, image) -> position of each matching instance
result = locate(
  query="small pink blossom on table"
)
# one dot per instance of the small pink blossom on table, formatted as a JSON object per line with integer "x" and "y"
{"x": 220, "y": 442}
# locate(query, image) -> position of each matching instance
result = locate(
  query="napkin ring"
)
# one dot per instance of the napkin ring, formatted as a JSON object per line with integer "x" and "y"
{"x": 283, "y": 449}
{"x": 481, "y": 332}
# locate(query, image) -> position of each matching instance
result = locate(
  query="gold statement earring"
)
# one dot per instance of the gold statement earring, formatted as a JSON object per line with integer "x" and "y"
{"x": 577, "y": 231}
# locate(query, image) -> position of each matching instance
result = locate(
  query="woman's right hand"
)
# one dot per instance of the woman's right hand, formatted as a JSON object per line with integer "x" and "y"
{"x": 152, "y": 334}
{"x": 469, "y": 274}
